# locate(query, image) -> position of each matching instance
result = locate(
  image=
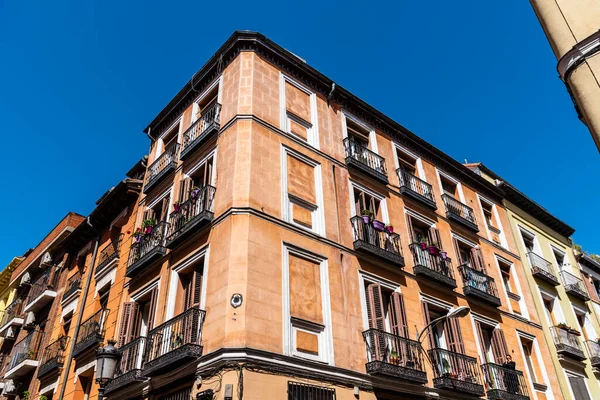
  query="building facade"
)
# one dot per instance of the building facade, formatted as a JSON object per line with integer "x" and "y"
{"x": 573, "y": 30}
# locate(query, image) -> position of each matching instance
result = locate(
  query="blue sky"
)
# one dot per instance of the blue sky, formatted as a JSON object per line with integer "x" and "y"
{"x": 81, "y": 79}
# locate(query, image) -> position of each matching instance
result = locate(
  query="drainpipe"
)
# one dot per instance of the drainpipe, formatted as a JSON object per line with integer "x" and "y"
{"x": 81, "y": 307}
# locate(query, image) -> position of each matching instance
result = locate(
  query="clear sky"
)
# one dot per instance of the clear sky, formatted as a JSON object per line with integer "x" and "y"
{"x": 81, "y": 79}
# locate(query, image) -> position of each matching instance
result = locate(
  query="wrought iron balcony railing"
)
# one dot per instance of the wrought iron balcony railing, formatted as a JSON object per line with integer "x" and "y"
{"x": 110, "y": 253}
{"x": 478, "y": 284}
{"x": 13, "y": 311}
{"x": 72, "y": 286}
{"x": 395, "y": 356}
{"x": 455, "y": 371}
{"x": 146, "y": 248}
{"x": 53, "y": 356}
{"x": 129, "y": 368}
{"x": 574, "y": 286}
{"x": 542, "y": 268}
{"x": 26, "y": 349}
{"x": 200, "y": 130}
{"x": 504, "y": 383}
{"x": 593, "y": 349}
{"x": 191, "y": 215}
{"x": 372, "y": 241}
{"x": 46, "y": 282}
{"x": 365, "y": 160}
{"x": 436, "y": 267}
{"x": 91, "y": 332}
{"x": 459, "y": 212}
{"x": 164, "y": 164}
{"x": 175, "y": 341}
{"x": 416, "y": 188}
{"x": 567, "y": 343}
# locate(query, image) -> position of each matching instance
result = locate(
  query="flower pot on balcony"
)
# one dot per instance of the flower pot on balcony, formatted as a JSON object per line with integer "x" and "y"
{"x": 366, "y": 216}
{"x": 389, "y": 229}
{"x": 366, "y": 219}
{"x": 443, "y": 254}
{"x": 176, "y": 207}
{"x": 149, "y": 229}
{"x": 378, "y": 225}
{"x": 423, "y": 246}
{"x": 575, "y": 332}
{"x": 433, "y": 250}
{"x": 195, "y": 193}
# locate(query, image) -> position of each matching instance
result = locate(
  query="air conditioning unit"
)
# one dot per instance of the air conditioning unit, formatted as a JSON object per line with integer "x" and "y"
{"x": 25, "y": 279}
{"x": 9, "y": 387}
{"x": 11, "y": 333}
{"x": 46, "y": 258}
{"x": 30, "y": 319}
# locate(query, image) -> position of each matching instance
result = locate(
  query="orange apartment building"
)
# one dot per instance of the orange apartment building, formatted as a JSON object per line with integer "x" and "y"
{"x": 290, "y": 241}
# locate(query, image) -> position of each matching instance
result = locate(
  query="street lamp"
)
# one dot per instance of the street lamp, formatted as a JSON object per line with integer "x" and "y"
{"x": 107, "y": 358}
{"x": 457, "y": 312}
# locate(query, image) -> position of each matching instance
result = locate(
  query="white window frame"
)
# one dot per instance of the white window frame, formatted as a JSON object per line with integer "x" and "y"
{"x": 196, "y": 108}
{"x": 382, "y": 203}
{"x": 365, "y": 278}
{"x": 485, "y": 321}
{"x": 174, "y": 279}
{"x": 572, "y": 373}
{"x": 459, "y": 189}
{"x": 538, "y": 355}
{"x": 290, "y": 327}
{"x": 441, "y": 304}
{"x": 519, "y": 291}
{"x": 136, "y": 296}
{"x": 312, "y": 132}
{"x": 587, "y": 322}
{"x": 160, "y": 145}
{"x": 556, "y": 307}
{"x": 566, "y": 265}
{"x": 482, "y": 200}
{"x": 318, "y": 216}
{"x": 537, "y": 248}
{"x": 372, "y": 135}
{"x": 418, "y": 161}
{"x": 196, "y": 166}
{"x": 155, "y": 201}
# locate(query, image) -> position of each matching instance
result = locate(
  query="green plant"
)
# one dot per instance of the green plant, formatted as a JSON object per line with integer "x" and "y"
{"x": 367, "y": 213}
{"x": 25, "y": 395}
{"x": 149, "y": 222}
{"x": 43, "y": 397}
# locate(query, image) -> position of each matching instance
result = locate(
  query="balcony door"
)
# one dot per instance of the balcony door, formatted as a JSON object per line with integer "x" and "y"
{"x": 492, "y": 344}
{"x": 365, "y": 201}
{"x": 445, "y": 335}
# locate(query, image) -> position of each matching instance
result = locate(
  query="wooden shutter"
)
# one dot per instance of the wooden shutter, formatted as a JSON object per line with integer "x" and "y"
{"x": 149, "y": 213}
{"x": 499, "y": 348}
{"x": 51, "y": 275}
{"x": 128, "y": 322}
{"x": 434, "y": 236}
{"x": 590, "y": 287}
{"x": 481, "y": 341}
{"x": 577, "y": 384}
{"x": 397, "y": 314}
{"x": 411, "y": 232}
{"x": 197, "y": 286}
{"x": 164, "y": 212}
{"x": 477, "y": 260}
{"x": 375, "y": 311}
{"x": 455, "y": 340}
{"x": 459, "y": 259}
{"x": 152, "y": 308}
{"x": 427, "y": 318}
{"x": 185, "y": 188}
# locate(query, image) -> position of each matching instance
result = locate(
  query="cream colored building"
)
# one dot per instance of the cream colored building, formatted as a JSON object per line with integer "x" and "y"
{"x": 573, "y": 30}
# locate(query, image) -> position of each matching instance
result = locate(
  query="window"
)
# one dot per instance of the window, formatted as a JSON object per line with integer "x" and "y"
{"x": 159, "y": 211}
{"x": 492, "y": 343}
{"x": 357, "y": 133}
{"x": 445, "y": 335}
{"x": 307, "y": 316}
{"x": 527, "y": 346}
{"x": 385, "y": 310}
{"x": 467, "y": 254}
{"x": 66, "y": 325}
{"x": 302, "y": 192}
{"x": 204, "y": 105}
{"x": 420, "y": 229}
{"x": 302, "y": 391}
{"x": 559, "y": 256}
{"x": 299, "y": 111}
{"x": 493, "y": 224}
{"x": 549, "y": 309}
{"x": 138, "y": 316}
{"x": 365, "y": 201}
{"x": 508, "y": 279}
{"x": 406, "y": 161}
{"x": 578, "y": 387}
{"x": 585, "y": 324}
{"x": 528, "y": 241}
{"x": 449, "y": 187}
{"x": 168, "y": 140}
{"x": 199, "y": 177}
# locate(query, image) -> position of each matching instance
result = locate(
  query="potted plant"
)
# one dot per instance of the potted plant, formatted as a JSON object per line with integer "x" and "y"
{"x": 389, "y": 229}
{"x": 378, "y": 225}
{"x": 148, "y": 225}
{"x": 562, "y": 325}
{"x": 138, "y": 235}
{"x": 176, "y": 206}
{"x": 433, "y": 249}
{"x": 423, "y": 243}
{"x": 394, "y": 357}
{"x": 196, "y": 192}
{"x": 574, "y": 332}
{"x": 443, "y": 254}
{"x": 366, "y": 216}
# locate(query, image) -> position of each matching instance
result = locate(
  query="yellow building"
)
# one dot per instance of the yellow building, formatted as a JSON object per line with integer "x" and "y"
{"x": 572, "y": 28}
{"x": 561, "y": 295}
{"x": 6, "y": 297}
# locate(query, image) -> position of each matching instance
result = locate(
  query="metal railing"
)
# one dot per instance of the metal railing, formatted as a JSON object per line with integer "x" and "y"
{"x": 210, "y": 117}
{"x": 92, "y": 328}
{"x": 55, "y": 351}
{"x": 13, "y": 310}
{"x": 26, "y": 349}
{"x": 448, "y": 364}
{"x": 540, "y": 264}
{"x": 132, "y": 356}
{"x": 45, "y": 282}
{"x": 144, "y": 244}
{"x": 364, "y": 156}
{"x": 593, "y": 349}
{"x": 563, "y": 337}
{"x": 499, "y": 378}
{"x": 424, "y": 258}
{"x": 392, "y": 349}
{"x": 184, "y": 329}
{"x": 109, "y": 253}
{"x": 365, "y": 232}
{"x": 415, "y": 184}
{"x": 162, "y": 162}
{"x": 478, "y": 280}
{"x": 459, "y": 209}
{"x": 200, "y": 201}
{"x": 573, "y": 283}
{"x": 73, "y": 284}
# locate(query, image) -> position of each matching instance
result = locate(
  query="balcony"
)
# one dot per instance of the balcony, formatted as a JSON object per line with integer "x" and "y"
{"x": 174, "y": 343}
{"x": 146, "y": 249}
{"x": 455, "y": 371}
{"x": 372, "y": 242}
{"x": 91, "y": 333}
{"x": 129, "y": 369}
{"x": 542, "y": 269}
{"x": 24, "y": 359}
{"x": 416, "y": 188}
{"x": 593, "y": 349}
{"x": 110, "y": 254}
{"x": 42, "y": 291}
{"x": 479, "y": 285}
{"x": 567, "y": 343}
{"x": 574, "y": 286}
{"x": 365, "y": 161}
{"x": 459, "y": 212}
{"x": 72, "y": 288}
{"x": 53, "y": 356}
{"x": 162, "y": 167}
{"x": 503, "y": 383}
{"x": 394, "y": 356}
{"x": 200, "y": 131}
{"x": 11, "y": 319}
{"x": 191, "y": 215}
{"x": 431, "y": 266}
